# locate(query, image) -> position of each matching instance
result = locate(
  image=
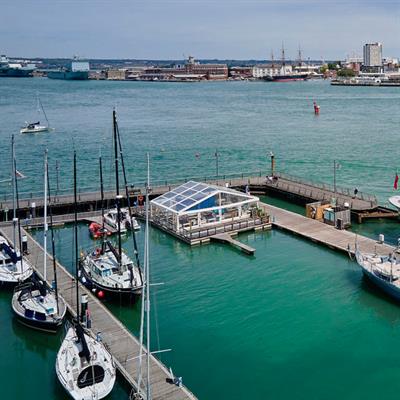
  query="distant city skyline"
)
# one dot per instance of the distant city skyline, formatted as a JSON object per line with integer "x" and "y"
{"x": 171, "y": 29}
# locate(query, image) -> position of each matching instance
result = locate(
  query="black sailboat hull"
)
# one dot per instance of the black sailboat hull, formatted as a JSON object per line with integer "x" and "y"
{"x": 45, "y": 326}
{"x": 109, "y": 292}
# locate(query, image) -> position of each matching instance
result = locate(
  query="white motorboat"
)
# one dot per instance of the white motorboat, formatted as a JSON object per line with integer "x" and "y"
{"x": 111, "y": 218}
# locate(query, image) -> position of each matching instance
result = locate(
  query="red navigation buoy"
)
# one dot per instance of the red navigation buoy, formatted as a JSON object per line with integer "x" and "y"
{"x": 316, "y": 108}
{"x": 100, "y": 294}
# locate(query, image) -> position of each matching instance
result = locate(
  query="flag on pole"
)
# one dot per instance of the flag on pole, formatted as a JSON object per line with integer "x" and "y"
{"x": 396, "y": 181}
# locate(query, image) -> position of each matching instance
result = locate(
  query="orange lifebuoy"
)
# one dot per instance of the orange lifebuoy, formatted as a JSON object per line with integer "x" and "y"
{"x": 140, "y": 198}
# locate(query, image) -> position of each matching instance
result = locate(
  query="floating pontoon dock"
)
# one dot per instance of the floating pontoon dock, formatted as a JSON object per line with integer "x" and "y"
{"x": 122, "y": 344}
{"x": 288, "y": 187}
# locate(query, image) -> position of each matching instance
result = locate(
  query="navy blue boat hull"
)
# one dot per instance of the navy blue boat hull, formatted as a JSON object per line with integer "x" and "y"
{"x": 45, "y": 326}
{"x": 385, "y": 286}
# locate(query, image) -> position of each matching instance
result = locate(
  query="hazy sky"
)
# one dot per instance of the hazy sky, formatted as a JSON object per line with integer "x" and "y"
{"x": 167, "y": 29}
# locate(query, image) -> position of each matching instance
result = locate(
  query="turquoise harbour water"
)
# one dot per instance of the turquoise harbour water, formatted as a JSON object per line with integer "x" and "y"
{"x": 296, "y": 321}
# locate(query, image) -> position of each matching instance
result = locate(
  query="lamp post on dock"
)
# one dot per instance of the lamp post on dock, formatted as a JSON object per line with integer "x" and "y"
{"x": 272, "y": 156}
{"x": 216, "y": 163}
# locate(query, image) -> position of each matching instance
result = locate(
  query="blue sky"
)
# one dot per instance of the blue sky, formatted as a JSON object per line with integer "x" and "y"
{"x": 167, "y": 29}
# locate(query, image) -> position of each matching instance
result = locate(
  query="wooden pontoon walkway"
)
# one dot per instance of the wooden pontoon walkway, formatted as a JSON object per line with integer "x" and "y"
{"x": 319, "y": 232}
{"x": 227, "y": 238}
{"x": 285, "y": 185}
{"x": 122, "y": 344}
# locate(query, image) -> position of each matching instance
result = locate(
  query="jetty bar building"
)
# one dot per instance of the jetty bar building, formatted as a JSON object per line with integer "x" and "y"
{"x": 194, "y": 210}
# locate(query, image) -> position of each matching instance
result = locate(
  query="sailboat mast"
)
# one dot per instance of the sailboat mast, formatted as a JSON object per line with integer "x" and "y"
{"x": 135, "y": 247}
{"x": 53, "y": 246}
{"x": 44, "y": 112}
{"x": 13, "y": 176}
{"x": 147, "y": 268}
{"x": 118, "y": 199}
{"x": 45, "y": 218}
{"x": 76, "y": 240}
{"x": 17, "y": 219}
{"x": 102, "y": 194}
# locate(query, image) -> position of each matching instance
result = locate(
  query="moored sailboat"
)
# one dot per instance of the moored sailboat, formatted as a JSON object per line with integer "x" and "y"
{"x": 34, "y": 303}
{"x": 108, "y": 269}
{"x": 14, "y": 268}
{"x": 84, "y": 366}
{"x": 36, "y": 127}
{"x": 383, "y": 271}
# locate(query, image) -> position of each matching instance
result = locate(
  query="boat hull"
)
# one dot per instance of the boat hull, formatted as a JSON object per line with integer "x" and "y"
{"x": 37, "y": 130}
{"x": 127, "y": 294}
{"x": 44, "y": 326}
{"x": 286, "y": 78}
{"x": 16, "y": 73}
{"x": 385, "y": 286}
{"x": 69, "y": 75}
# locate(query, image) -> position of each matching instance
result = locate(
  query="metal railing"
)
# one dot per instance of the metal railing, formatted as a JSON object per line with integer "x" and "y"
{"x": 327, "y": 187}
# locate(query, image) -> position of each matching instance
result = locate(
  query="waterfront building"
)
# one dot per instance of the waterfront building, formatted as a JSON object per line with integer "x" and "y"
{"x": 262, "y": 70}
{"x": 191, "y": 70}
{"x": 116, "y": 74}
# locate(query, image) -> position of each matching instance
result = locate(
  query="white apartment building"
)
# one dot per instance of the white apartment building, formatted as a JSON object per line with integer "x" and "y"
{"x": 373, "y": 55}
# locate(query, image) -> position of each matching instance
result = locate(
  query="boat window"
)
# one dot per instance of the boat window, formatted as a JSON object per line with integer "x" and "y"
{"x": 106, "y": 272}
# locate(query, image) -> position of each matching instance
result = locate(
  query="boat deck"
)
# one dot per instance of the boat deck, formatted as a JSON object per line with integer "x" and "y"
{"x": 122, "y": 344}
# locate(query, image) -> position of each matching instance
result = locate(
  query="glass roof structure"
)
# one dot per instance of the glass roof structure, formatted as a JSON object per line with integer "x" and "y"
{"x": 194, "y": 196}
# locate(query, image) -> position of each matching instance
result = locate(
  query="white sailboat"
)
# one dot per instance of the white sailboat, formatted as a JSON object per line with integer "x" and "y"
{"x": 14, "y": 268}
{"x": 34, "y": 303}
{"x": 36, "y": 127}
{"x": 109, "y": 269}
{"x": 84, "y": 366}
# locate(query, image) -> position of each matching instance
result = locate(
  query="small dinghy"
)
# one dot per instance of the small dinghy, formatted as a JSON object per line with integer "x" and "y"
{"x": 97, "y": 231}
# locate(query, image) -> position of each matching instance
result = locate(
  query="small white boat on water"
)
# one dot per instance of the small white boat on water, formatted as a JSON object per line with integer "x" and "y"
{"x": 36, "y": 127}
{"x": 111, "y": 218}
{"x": 395, "y": 201}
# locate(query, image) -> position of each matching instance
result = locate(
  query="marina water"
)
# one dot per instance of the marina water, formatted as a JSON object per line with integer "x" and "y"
{"x": 296, "y": 320}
